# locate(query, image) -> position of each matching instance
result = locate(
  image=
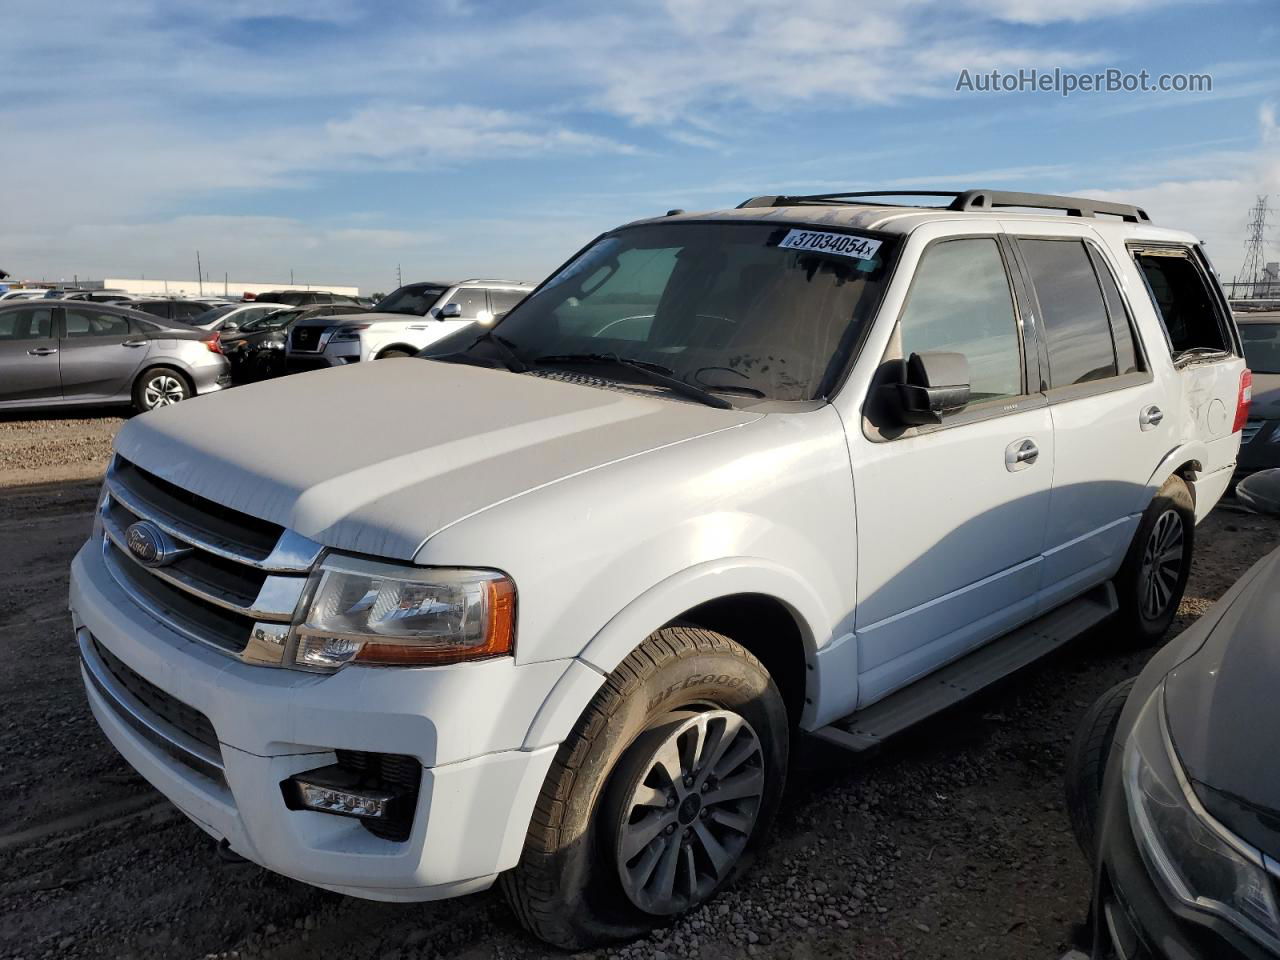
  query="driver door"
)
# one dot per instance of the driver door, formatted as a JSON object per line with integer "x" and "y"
{"x": 951, "y": 523}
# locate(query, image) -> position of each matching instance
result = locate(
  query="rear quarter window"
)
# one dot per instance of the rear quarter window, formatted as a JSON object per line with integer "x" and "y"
{"x": 1183, "y": 300}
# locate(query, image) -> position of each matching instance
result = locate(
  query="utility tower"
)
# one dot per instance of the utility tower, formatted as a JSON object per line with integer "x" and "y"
{"x": 1253, "y": 272}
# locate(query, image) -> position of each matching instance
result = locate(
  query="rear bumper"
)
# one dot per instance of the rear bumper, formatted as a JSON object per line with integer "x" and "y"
{"x": 466, "y": 726}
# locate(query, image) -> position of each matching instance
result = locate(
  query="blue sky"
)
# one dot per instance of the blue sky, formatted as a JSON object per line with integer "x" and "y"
{"x": 338, "y": 139}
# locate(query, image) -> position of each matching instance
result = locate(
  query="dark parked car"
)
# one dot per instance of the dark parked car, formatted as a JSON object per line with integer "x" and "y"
{"x": 1174, "y": 788}
{"x": 306, "y": 298}
{"x": 256, "y": 348}
{"x": 181, "y": 310}
{"x": 1260, "y": 442}
{"x": 62, "y": 353}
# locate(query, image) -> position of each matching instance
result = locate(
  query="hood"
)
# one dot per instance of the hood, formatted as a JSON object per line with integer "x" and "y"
{"x": 1223, "y": 705}
{"x": 341, "y": 319}
{"x": 378, "y": 457}
{"x": 1266, "y": 396}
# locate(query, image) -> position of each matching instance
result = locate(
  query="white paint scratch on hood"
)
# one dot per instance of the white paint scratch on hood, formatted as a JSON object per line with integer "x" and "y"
{"x": 377, "y": 457}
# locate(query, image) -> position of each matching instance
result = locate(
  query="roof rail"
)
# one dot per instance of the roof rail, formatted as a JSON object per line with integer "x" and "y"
{"x": 494, "y": 283}
{"x": 969, "y": 201}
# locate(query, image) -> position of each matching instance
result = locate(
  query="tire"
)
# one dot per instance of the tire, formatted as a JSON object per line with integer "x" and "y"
{"x": 159, "y": 387}
{"x": 1087, "y": 763}
{"x": 393, "y": 352}
{"x": 1149, "y": 592}
{"x": 607, "y": 809}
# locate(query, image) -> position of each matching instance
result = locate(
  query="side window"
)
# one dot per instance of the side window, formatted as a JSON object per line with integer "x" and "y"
{"x": 504, "y": 300}
{"x": 26, "y": 324}
{"x": 1127, "y": 359}
{"x": 187, "y": 311}
{"x": 960, "y": 302}
{"x": 473, "y": 303}
{"x": 1074, "y": 317}
{"x": 83, "y": 323}
{"x": 1182, "y": 299}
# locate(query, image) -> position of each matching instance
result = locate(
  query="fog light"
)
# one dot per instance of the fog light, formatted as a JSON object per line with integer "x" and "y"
{"x": 339, "y": 790}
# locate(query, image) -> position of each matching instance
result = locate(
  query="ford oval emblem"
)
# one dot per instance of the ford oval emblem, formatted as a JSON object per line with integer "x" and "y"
{"x": 150, "y": 545}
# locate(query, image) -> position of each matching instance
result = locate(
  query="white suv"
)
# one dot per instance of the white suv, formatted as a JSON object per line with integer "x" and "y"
{"x": 401, "y": 323}
{"x": 554, "y": 606}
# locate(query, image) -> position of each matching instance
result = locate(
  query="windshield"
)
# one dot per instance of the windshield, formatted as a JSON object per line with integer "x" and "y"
{"x": 1261, "y": 346}
{"x": 217, "y": 313}
{"x": 415, "y": 299}
{"x": 268, "y": 321}
{"x": 756, "y": 309}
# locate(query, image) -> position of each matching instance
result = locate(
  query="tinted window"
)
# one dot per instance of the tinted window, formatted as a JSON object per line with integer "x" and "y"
{"x": 1127, "y": 359}
{"x": 1072, "y": 312}
{"x": 34, "y": 324}
{"x": 960, "y": 303}
{"x": 504, "y": 300}
{"x": 188, "y": 311}
{"x": 414, "y": 300}
{"x": 1261, "y": 346}
{"x": 155, "y": 309}
{"x": 1182, "y": 300}
{"x": 717, "y": 304}
{"x": 82, "y": 323}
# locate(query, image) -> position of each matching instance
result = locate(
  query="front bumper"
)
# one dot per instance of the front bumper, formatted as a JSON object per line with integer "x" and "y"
{"x": 332, "y": 355}
{"x": 1133, "y": 918}
{"x": 465, "y": 724}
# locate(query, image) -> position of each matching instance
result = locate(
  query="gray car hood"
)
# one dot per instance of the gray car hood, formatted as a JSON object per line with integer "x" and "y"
{"x": 377, "y": 457}
{"x": 1224, "y": 712}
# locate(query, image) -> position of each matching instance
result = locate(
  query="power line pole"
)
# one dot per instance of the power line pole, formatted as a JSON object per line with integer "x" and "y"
{"x": 399, "y": 282}
{"x": 1253, "y": 273}
{"x": 199, "y": 274}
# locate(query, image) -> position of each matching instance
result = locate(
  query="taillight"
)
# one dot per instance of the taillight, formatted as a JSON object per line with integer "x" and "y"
{"x": 214, "y": 342}
{"x": 1242, "y": 403}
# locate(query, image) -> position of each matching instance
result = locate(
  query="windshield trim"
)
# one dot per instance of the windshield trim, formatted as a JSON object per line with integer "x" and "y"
{"x": 851, "y": 343}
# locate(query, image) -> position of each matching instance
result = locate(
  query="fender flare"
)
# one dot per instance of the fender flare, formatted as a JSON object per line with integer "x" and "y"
{"x": 1194, "y": 452}
{"x": 659, "y": 605}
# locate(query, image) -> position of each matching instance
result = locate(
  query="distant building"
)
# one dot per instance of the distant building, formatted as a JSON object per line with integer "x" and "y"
{"x": 210, "y": 288}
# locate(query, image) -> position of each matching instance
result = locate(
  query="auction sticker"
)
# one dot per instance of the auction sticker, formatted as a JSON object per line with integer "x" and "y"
{"x": 843, "y": 244}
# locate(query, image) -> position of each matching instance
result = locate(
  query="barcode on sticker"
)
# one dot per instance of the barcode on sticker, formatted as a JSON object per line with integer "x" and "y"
{"x": 843, "y": 244}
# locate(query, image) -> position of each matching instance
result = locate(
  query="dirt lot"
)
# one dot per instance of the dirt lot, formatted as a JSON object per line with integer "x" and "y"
{"x": 951, "y": 842}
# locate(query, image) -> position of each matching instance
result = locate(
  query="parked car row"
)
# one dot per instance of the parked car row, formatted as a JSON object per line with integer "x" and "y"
{"x": 554, "y": 600}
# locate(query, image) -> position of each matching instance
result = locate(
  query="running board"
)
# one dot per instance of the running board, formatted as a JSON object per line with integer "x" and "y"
{"x": 946, "y": 687}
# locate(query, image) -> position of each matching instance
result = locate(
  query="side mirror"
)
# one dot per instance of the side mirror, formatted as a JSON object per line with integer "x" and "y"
{"x": 230, "y": 326}
{"x": 450, "y": 311}
{"x": 1260, "y": 492}
{"x": 937, "y": 384}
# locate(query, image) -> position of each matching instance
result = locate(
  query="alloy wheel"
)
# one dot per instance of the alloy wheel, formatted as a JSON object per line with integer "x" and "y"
{"x": 687, "y": 820}
{"x": 1162, "y": 564}
{"x": 163, "y": 391}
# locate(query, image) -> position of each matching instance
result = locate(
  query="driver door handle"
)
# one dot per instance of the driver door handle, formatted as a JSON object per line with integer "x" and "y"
{"x": 1150, "y": 417}
{"x": 1020, "y": 454}
{"x": 133, "y": 343}
{"x": 42, "y": 351}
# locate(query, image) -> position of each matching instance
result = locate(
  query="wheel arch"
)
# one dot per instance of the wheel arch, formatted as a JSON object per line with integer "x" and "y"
{"x": 1185, "y": 461}
{"x": 177, "y": 366}
{"x": 762, "y": 606}
{"x": 408, "y": 348}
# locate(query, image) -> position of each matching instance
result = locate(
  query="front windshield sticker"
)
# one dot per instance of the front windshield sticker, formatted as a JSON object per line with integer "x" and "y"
{"x": 843, "y": 244}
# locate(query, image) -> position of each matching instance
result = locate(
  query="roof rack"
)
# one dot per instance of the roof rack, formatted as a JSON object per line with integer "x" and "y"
{"x": 968, "y": 201}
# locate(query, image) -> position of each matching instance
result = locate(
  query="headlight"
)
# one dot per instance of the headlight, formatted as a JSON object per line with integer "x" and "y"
{"x": 347, "y": 334}
{"x": 377, "y": 613}
{"x": 1202, "y": 863}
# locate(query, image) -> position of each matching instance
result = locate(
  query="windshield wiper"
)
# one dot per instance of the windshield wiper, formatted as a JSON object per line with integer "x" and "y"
{"x": 505, "y": 349}
{"x": 652, "y": 373}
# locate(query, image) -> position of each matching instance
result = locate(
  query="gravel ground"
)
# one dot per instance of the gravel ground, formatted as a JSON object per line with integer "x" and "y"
{"x": 952, "y": 841}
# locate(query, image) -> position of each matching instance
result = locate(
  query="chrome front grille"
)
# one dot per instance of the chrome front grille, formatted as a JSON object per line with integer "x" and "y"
{"x": 235, "y": 581}
{"x": 1251, "y": 428}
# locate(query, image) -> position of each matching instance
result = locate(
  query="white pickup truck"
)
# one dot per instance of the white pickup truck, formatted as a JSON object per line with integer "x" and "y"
{"x": 400, "y": 324}
{"x": 553, "y": 606}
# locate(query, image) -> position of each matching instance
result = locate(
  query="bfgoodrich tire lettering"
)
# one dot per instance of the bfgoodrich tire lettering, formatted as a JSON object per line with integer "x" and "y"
{"x": 568, "y": 888}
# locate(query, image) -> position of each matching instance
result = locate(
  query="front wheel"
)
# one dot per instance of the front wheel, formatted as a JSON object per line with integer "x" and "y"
{"x": 1154, "y": 574}
{"x": 660, "y": 796}
{"x": 159, "y": 387}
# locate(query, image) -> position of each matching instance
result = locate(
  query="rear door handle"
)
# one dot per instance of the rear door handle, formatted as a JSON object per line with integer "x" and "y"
{"x": 134, "y": 343}
{"x": 1020, "y": 454}
{"x": 1150, "y": 417}
{"x": 42, "y": 351}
